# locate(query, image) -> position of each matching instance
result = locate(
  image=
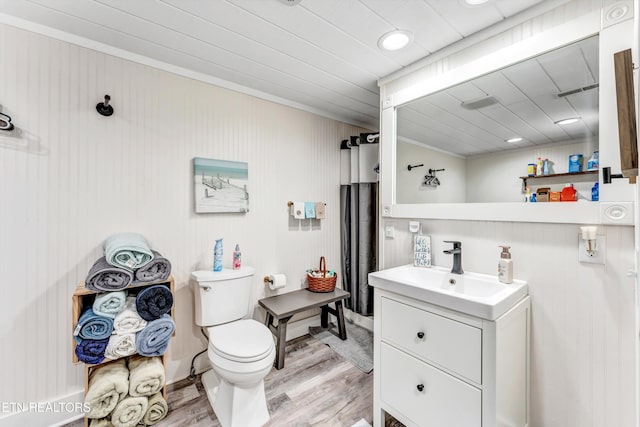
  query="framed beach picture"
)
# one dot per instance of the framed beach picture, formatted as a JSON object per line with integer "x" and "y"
{"x": 220, "y": 185}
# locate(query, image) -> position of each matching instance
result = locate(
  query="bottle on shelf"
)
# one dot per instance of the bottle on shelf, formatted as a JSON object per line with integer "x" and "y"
{"x": 539, "y": 167}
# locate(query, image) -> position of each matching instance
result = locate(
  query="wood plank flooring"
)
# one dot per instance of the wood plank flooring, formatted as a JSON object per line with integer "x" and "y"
{"x": 316, "y": 387}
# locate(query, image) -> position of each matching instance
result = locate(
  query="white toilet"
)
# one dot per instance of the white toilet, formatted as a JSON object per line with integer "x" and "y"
{"x": 241, "y": 351}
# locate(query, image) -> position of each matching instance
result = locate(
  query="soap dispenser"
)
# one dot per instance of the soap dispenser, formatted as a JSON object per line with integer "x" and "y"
{"x": 505, "y": 266}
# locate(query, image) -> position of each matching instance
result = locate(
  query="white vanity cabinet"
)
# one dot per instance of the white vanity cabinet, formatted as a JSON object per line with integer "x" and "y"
{"x": 440, "y": 368}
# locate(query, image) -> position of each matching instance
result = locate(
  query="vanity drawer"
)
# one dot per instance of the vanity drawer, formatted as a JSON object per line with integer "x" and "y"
{"x": 453, "y": 345}
{"x": 443, "y": 399}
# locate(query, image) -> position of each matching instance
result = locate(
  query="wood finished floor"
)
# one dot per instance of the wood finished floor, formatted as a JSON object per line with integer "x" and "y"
{"x": 316, "y": 387}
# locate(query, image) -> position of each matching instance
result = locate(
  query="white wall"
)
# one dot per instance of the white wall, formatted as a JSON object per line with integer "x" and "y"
{"x": 495, "y": 177}
{"x": 69, "y": 178}
{"x": 582, "y": 334}
{"x": 409, "y": 188}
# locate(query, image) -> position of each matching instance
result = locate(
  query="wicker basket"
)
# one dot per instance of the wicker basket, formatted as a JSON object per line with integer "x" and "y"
{"x": 324, "y": 283}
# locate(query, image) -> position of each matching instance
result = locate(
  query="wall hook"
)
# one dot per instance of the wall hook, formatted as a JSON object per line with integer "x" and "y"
{"x": 104, "y": 108}
{"x": 5, "y": 122}
{"x": 414, "y": 166}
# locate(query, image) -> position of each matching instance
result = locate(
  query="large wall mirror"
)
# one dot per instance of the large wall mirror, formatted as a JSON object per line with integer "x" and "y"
{"x": 476, "y": 139}
{"x": 461, "y": 141}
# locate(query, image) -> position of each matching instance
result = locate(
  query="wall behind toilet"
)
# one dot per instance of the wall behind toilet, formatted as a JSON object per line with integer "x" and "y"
{"x": 71, "y": 177}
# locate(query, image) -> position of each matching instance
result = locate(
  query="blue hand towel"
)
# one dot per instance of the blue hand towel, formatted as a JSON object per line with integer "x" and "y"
{"x": 309, "y": 209}
{"x": 127, "y": 250}
{"x": 109, "y": 304}
{"x": 93, "y": 327}
{"x": 153, "y": 302}
{"x": 153, "y": 340}
{"x": 91, "y": 351}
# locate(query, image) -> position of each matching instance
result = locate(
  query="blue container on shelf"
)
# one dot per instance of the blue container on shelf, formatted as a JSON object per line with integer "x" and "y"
{"x": 575, "y": 163}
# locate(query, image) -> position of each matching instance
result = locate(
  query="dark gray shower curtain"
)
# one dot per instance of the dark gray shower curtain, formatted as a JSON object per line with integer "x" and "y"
{"x": 358, "y": 213}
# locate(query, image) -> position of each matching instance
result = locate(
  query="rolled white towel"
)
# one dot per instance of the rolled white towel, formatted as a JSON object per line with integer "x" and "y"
{"x": 120, "y": 346}
{"x": 129, "y": 412}
{"x": 128, "y": 320}
{"x": 108, "y": 385}
{"x": 146, "y": 376}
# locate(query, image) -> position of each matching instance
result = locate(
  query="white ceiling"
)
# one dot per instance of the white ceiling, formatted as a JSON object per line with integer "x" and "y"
{"x": 322, "y": 54}
{"x": 528, "y": 105}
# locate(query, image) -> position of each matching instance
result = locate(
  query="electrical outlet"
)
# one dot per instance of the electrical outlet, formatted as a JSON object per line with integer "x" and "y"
{"x": 599, "y": 254}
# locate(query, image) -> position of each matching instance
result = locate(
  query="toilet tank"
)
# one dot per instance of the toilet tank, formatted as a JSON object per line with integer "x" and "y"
{"x": 222, "y": 296}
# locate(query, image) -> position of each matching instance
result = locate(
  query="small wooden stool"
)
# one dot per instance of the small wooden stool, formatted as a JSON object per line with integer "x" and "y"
{"x": 283, "y": 307}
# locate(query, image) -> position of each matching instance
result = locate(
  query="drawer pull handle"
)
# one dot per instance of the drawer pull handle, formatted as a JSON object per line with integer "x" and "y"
{"x": 420, "y": 334}
{"x": 420, "y": 387}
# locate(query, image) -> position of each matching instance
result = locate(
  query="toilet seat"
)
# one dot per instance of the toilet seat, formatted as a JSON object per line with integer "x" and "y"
{"x": 242, "y": 341}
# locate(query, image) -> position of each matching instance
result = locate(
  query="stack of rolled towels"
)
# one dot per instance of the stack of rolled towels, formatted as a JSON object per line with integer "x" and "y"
{"x": 127, "y": 259}
{"x": 125, "y": 394}
{"x": 119, "y": 324}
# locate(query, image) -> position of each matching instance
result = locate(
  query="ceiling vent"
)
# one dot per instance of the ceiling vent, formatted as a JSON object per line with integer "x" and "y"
{"x": 580, "y": 89}
{"x": 290, "y": 2}
{"x": 479, "y": 103}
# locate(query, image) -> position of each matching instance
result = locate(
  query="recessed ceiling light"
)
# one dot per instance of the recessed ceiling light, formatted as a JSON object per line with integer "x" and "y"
{"x": 395, "y": 40}
{"x": 475, "y": 2}
{"x": 514, "y": 139}
{"x": 567, "y": 121}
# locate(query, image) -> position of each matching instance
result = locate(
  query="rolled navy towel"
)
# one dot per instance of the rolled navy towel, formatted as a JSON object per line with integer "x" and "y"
{"x": 154, "y": 301}
{"x": 92, "y": 326}
{"x": 104, "y": 277}
{"x": 109, "y": 304}
{"x": 91, "y": 351}
{"x": 158, "y": 269}
{"x": 153, "y": 340}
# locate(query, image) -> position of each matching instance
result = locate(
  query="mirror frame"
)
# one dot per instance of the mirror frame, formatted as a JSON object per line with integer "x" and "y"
{"x": 578, "y": 213}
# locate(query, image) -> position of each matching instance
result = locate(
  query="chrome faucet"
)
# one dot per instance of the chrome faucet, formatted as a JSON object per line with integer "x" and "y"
{"x": 457, "y": 256}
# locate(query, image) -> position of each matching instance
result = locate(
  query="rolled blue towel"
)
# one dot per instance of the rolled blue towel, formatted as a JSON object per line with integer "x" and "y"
{"x": 109, "y": 304}
{"x": 105, "y": 277}
{"x": 127, "y": 250}
{"x": 93, "y": 327}
{"x": 91, "y": 351}
{"x": 154, "y": 339}
{"x": 154, "y": 301}
{"x": 155, "y": 271}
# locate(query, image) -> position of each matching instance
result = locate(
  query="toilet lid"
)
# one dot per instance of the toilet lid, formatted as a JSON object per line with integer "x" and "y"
{"x": 244, "y": 340}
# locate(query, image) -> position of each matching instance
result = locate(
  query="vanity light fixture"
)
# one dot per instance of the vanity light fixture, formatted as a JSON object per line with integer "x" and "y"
{"x": 567, "y": 121}
{"x": 514, "y": 139}
{"x": 395, "y": 40}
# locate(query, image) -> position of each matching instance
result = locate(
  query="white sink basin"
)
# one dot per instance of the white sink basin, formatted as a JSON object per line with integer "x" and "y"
{"x": 475, "y": 294}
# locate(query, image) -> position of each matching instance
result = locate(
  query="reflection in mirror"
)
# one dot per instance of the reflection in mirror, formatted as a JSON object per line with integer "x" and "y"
{"x": 485, "y": 132}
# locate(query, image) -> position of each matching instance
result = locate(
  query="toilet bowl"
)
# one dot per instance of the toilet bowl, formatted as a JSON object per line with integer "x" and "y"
{"x": 241, "y": 350}
{"x": 242, "y": 354}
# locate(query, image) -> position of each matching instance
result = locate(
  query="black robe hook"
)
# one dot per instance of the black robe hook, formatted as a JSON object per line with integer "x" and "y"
{"x": 104, "y": 108}
{"x": 5, "y": 122}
